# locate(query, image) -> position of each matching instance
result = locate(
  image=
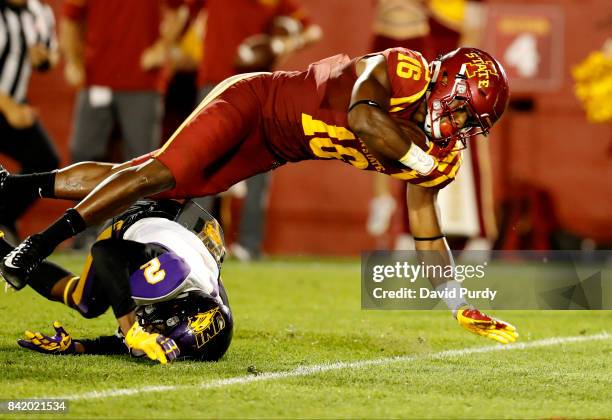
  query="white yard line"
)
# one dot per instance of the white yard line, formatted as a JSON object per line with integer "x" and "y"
{"x": 315, "y": 369}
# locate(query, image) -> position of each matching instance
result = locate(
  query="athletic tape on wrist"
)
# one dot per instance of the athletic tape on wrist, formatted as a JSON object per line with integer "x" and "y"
{"x": 418, "y": 160}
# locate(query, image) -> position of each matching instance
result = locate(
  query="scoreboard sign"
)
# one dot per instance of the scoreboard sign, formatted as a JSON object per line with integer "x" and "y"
{"x": 528, "y": 40}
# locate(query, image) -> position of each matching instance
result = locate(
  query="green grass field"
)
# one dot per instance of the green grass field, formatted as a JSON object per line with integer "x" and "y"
{"x": 295, "y": 321}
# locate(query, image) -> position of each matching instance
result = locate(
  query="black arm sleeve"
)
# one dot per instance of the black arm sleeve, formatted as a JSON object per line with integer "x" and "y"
{"x": 104, "y": 345}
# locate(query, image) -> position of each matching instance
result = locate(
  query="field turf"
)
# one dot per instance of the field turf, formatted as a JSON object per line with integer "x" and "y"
{"x": 303, "y": 348}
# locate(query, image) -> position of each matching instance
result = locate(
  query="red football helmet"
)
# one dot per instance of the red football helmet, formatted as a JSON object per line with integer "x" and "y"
{"x": 466, "y": 78}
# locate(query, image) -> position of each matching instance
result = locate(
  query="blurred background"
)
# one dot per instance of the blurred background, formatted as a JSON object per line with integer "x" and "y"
{"x": 542, "y": 181}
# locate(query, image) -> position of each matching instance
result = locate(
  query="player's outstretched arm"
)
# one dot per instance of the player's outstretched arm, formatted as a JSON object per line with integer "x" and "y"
{"x": 62, "y": 343}
{"x": 135, "y": 340}
{"x": 368, "y": 118}
{"x": 430, "y": 243}
{"x": 432, "y": 249}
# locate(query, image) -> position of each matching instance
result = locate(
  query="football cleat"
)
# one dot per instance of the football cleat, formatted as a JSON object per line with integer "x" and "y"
{"x": 22, "y": 261}
{"x": 60, "y": 343}
{"x": 481, "y": 324}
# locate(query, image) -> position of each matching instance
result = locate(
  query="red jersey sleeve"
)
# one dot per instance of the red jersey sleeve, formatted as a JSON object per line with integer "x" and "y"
{"x": 294, "y": 10}
{"x": 74, "y": 9}
{"x": 408, "y": 75}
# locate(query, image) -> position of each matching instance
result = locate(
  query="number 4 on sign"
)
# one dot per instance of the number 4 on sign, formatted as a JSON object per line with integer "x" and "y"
{"x": 522, "y": 54}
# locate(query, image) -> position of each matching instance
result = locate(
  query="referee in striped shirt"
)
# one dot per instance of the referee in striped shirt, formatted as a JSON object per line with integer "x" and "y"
{"x": 27, "y": 42}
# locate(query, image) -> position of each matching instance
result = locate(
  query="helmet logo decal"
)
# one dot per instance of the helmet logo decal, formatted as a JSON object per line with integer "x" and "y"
{"x": 212, "y": 231}
{"x": 211, "y": 236}
{"x": 477, "y": 67}
{"x": 206, "y": 325}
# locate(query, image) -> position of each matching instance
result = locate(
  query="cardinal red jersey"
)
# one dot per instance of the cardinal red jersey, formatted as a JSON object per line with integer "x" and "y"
{"x": 252, "y": 123}
{"x": 306, "y": 114}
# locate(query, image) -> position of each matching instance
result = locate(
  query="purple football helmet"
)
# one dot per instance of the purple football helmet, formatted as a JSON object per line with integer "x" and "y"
{"x": 199, "y": 324}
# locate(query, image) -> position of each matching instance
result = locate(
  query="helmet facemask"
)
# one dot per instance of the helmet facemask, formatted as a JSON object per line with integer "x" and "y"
{"x": 441, "y": 124}
{"x": 193, "y": 217}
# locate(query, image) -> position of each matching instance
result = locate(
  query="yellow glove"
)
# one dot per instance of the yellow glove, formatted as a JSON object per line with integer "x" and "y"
{"x": 479, "y": 323}
{"x": 155, "y": 346}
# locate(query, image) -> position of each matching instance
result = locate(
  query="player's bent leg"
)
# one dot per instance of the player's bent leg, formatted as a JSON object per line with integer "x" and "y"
{"x": 50, "y": 281}
{"x": 122, "y": 189}
{"x": 73, "y": 182}
{"x": 197, "y": 148}
{"x": 47, "y": 278}
{"x": 76, "y": 181}
{"x": 111, "y": 197}
{"x": 86, "y": 293}
{"x": 19, "y": 187}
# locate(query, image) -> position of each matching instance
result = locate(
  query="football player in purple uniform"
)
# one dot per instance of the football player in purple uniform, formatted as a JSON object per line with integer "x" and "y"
{"x": 157, "y": 266}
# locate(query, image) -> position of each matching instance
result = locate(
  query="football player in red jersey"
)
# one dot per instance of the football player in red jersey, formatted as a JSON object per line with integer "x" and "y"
{"x": 389, "y": 112}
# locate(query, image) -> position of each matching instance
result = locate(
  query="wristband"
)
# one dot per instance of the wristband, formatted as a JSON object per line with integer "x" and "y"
{"x": 418, "y": 160}
{"x": 430, "y": 238}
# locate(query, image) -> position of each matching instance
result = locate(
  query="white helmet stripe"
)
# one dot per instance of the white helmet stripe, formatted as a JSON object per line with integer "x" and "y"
{"x": 435, "y": 70}
{"x": 462, "y": 70}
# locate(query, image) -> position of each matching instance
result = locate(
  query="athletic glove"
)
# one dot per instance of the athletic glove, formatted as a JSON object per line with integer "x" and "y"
{"x": 60, "y": 343}
{"x": 479, "y": 323}
{"x": 155, "y": 346}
